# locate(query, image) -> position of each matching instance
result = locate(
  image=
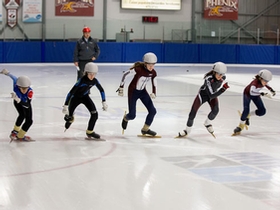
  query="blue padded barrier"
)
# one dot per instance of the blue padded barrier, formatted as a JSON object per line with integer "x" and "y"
{"x": 277, "y": 55}
{"x": 134, "y": 51}
{"x": 181, "y": 53}
{"x": 256, "y": 54}
{"x": 1, "y": 53}
{"x": 110, "y": 52}
{"x": 21, "y": 52}
{"x": 115, "y": 52}
{"x": 59, "y": 51}
{"x": 210, "y": 53}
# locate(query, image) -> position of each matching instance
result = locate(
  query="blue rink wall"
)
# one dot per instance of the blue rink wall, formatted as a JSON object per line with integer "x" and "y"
{"x": 115, "y": 52}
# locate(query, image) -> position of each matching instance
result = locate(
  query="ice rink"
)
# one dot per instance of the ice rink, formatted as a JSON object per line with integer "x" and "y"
{"x": 63, "y": 171}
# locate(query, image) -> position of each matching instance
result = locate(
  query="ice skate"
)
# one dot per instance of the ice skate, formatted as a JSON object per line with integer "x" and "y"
{"x": 69, "y": 120}
{"x": 124, "y": 123}
{"x": 25, "y": 138}
{"x": 237, "y": 130}
{"x": 209, "y": 127}
{"x": 13, "y": 135}
{"x": 181, "y": 134}
{"x": 93, "y": 136}
{"x": 148, "y": 133}
{"x": 184, "y": 133}
{"x": 247, "y": 121}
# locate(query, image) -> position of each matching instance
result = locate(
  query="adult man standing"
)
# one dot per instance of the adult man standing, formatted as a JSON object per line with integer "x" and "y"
{"x": 86, "y": 50}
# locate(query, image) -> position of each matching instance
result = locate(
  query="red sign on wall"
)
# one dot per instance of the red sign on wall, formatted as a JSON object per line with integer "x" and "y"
{"x": 221, "y": 9}
{"x": 74, "y": 7}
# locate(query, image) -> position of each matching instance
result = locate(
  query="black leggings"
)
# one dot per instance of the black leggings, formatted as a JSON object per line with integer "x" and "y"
{"x": 25, "y": 114}
{"x": 86, "y": 100}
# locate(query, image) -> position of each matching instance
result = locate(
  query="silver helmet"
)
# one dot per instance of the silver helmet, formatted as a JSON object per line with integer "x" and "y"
{"x": 150, "y": 58}
{"x": 23, "y": 81}
{"x": 91, "y": 68}
{"x": 265, "y": 75}
{"x": 220, "y": 68}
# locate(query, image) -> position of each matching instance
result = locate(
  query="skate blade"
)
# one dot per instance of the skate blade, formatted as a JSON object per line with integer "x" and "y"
{"x": 236, "y": 134}
{"x": 94, "y": 139}
{"x": 17, "y": 140}
{"x": 180, "y": 136}
{"x": 148, "y": 136}
{"x": 213, "y": 135}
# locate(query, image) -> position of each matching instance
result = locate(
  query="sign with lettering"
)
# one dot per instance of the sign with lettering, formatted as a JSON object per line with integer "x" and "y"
{"x": 12, "y": 10}
{"x": 221, "y": 9}
{"x": 74, "y": 7}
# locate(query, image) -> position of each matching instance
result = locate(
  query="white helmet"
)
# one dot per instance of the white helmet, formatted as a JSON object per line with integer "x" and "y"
{"x": 91, "y": 68}
{"x": 23, "y": 81}
{"x": 150, "y": 58}
{"x": 220, "y": 68}
{"x": 265, "y": 75}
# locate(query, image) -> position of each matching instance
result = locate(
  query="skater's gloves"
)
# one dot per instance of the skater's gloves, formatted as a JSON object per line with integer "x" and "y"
{"x": 15, "y": 97}
{"x": 4, "y": 71}
{"x": 65, "y": 110}
{"x": 268, "y": 95}
{"x": 78, "y": 68}
{"x": 153, "y": 96}
{"x": 273, "y": 93}
{"x": 120, "y": 91}
{"x": 225, "y": 86}
{"x": 104, "y": 106}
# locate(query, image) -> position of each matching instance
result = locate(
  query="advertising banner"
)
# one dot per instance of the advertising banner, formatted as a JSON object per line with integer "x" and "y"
{"x": 32, "y": 11}
{"x": 221, "y": 9}
{"x": 74, "y": 7}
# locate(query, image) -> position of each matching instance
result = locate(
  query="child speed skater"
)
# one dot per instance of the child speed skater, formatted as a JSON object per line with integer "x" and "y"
{"x": 143, "y": 72}
{"x": 79, "y": 94}
{"x": 22, "y": 95}
{"x": 213, "y": 86}
{"x": 253, "y": 92}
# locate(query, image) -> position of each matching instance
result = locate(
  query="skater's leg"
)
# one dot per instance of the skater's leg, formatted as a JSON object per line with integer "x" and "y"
{"x": 214, "y": 104}
{"x": 148, "y": 103}
{"x": 93, "y": 112}
{"x": 132, "y": 99}
{"x": 71, "y": 108}
{"x": 195, "y": 106}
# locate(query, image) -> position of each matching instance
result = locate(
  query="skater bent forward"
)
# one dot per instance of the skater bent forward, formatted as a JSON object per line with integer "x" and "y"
{"x": 213, "y": 87}
{"x": 79, "y": 94}
{"x": 143, "y": 73}
{"x": 22, "y": 96}
{"x": 253, "y": 92}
